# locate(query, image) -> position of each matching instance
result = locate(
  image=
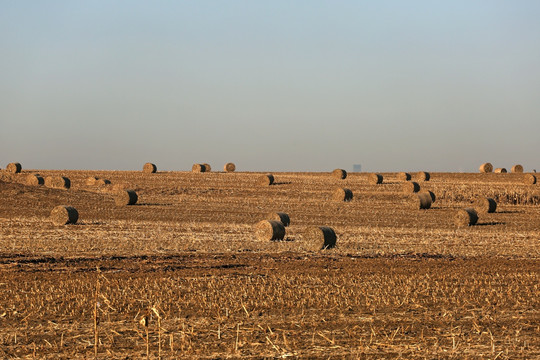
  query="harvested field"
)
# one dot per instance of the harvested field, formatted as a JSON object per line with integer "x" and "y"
{"x": 400, "y": 282}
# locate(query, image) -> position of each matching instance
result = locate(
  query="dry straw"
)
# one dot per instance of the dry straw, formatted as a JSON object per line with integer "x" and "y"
{"x": 517, "y": 169}
{"x": 486, "y": 168}
{"x": 270, "y": 230}
{"x": 375, "y": 179}
{"x": 465, "y": 217}
{"x": 34, "y": 180}
{"x": 404, "y": 176}
{"x": 125, "y": 197}
{"x": 207, "y": 167}
{"x": 149, "y": 168}
{"x": 342, "y": 194}
{"x": 57, "y": 182}
{"x": 420, "y": 201}
{"x": 484, "y": 205}
{"x": 279, "y": 216}
{"x": 320, "y": 238}
{"x": 339, "y": 174}
{"x": 266, "y": 180}
{"x": 229, "y": 167}
{"x": 410, "y": 187}
{"x": 422, "y": 176}
{"x": 14, "y": 168}
{"x": 529, "y": 179}
{"x": 63, "y": 215}
{"x": 500, "y": 171}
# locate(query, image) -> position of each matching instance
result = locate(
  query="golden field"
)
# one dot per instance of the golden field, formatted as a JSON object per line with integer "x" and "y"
{"x": 401, "y": 283}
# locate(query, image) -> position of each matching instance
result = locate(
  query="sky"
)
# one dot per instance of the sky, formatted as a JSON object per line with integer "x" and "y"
{"x": 271, "y": 86}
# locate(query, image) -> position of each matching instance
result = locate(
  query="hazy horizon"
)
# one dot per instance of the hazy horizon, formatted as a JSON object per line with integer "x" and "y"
{"x": 277, "y": 86}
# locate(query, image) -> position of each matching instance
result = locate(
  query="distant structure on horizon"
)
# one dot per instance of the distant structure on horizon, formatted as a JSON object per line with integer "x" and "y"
{"x": 357, "y": 168}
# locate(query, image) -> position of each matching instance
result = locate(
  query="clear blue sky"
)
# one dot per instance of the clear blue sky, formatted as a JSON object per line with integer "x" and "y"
{"x": 276, "y": 85}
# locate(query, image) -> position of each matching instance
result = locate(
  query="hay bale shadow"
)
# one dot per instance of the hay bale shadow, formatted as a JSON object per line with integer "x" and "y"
{"x": 152, "y": 204}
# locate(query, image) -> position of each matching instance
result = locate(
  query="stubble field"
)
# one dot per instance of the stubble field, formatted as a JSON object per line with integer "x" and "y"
{"x": 401, "y": 283}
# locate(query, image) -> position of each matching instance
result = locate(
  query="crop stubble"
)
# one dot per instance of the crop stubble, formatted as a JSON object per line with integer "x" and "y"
{"x": 399, "y": 281}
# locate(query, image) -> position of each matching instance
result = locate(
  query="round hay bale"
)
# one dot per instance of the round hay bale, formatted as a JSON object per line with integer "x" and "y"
{"x": 342, "y": 194}
{"x": 431, "y": 195}
{"x": 198, "y": 168}
{"x": 63, "y": 215}
{"x": 404, "y": 176}
{"x": 517, "y": 169}
{"x": 339, "y": 174}
{"x": 149, "y": 168}
{"x": 229, "y": 167}
{"x": 91, "y": 181}
{"x": 484, "y": 205}
{"x": 270, "y": 230}
{"x": 420, "y": 200}
{"x": 530, "y": 179}
{"x": 266, "y": 180}
{"x": 410, "y": 187}
{"x": 320, "y": 238}
{"x": 57, "y": 182}
{"x": 14, "y": 168}
{"x": 34, "y": 180}
{"x": 486, "y": 168}
{"x": 422, "y": 176}
{"x": 280, "y": 216}
{"x": 465, "y": 217}
{"x": 375, "y": 179}
{"x": 207, "y": 167}
{"x": 125, "y": 197}
{"x": 102, "y": 182}
{"x": 500, "y": 171}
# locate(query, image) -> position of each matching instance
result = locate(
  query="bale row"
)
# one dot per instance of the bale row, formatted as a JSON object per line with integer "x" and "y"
{"x": 488, "y": 167}
{"x": 314, "y": 238}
